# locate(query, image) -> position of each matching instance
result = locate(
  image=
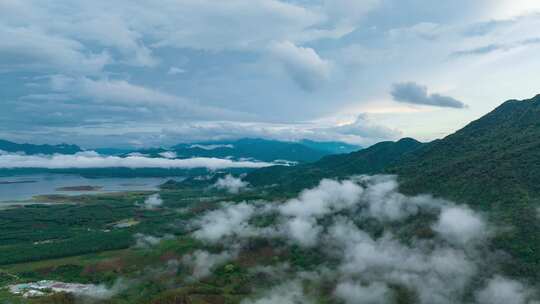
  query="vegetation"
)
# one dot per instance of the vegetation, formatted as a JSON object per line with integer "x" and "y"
{"x": 492, "y": 165}
{"x": 368, "y": 161}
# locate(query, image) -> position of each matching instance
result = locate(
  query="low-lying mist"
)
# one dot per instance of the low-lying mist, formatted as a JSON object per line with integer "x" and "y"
{"x": 89, "y": 159}
{"x": 376, "y": 245}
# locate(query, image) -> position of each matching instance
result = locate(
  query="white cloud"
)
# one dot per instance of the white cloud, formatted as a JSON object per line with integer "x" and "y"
{"x": 348, "y": 12}
{"x": 500, "y": 290}
{"x": 203, "y": 262}
{"x": 226, "y": 222}
{"x": 214, "y": 26}
{"x": 288, "y": 293}
{"x": 168, "y": 154}
{"x": 147, "y": 241}
{"x": 94, "y": 160}
{"x": 369, "y": 268}
{"x": 363, "y": 131}
{"x": 121, "y": 91}
{"x": 29, "y": 48}
{"x": 113, "y": 31}
{"x": 329, "y": 197}
{"x": 314, "y": 41}
{"x": 211, "y": 147}
{"x": 231, "y": 184}
{"x": 152, "y": 202}
{"x": 303, "y": 64}
{"x": 175, "y": 71}
{"x": 374, "y": 293}
{"x": 138, "y": 98}
{"x": 437, "y": 275}
{"x": 459, "y": 224}
{"x": 304, "y": 231}
{"x": 362, "y": 127}
{"x": 502, "y": 9}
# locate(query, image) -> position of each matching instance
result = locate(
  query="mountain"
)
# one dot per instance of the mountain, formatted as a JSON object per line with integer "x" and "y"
{"x": 332, "y": 147}
{"x": 112, "y": 151}
{"x": 498, "y": 154}
{"x": 495, "y": 156}
{"x": 492, "y": 164}
{"x": 367, "y": 161}
{"x": 31, "y": 149}
{"x": 261, "y": 149}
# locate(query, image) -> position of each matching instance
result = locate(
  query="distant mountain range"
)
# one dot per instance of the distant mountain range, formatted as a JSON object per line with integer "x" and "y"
{"x": 495, "y": 154}
{"x": 264, "y": 150}
{"x": 492, "y": 164}
{"x": 246, "y": 148}
{"x": 253, "y": 149}
{"x": 31, "y": 149}
{"x": 371, "y": 160}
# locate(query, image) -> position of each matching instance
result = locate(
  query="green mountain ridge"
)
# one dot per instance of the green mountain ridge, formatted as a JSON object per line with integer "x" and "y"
{"x": 367, "y": 161}
{"x": 492, "y": 164}
{"x": 496, "y": 155}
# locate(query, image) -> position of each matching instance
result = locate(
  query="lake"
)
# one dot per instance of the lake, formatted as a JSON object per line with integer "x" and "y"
{"x": 24, "y": 187}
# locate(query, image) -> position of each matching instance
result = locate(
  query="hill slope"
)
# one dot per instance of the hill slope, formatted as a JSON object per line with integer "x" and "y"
{"x": 492, "y": 164}
{"x": 368, "y": 161}
{"x": 496, "y": 155}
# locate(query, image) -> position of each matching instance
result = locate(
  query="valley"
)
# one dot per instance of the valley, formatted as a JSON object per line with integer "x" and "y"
{"x": 401, "y": 222}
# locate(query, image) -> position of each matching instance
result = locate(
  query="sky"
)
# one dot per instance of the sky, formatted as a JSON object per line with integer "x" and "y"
{"x": 156, "y": 73}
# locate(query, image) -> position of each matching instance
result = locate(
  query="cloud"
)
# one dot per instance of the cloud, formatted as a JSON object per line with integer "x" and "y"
{"x": 495, "y": 47}
{"x": 211, "y": 147}
{"x": 328, "y": 197}
{"x": 147, "y": 241}
{"x": 363, "y": 127}
{"x": 137, "y": 98}
{"x": 479, "y": 50}
{"x": 288, "y": 293}
{"x": 374, "y": 293}
{"x": 411, "y": 92}
{"x": 369, "y": 267}
{"x": 231, "y": 184}
{"x": 152, "y": 202}
{"x": 29, "y": 49}
{"x": 85, "y": 292}
{"x": 460, "y": 225}
{"x": 349, "y": 12}
{"x": 226, "y": 222}
{"x": 436, "y": 275}
{"x": 500, "y": 290}
{"x": 121, "y": 91}
{"x": 203, "y": 262}
{"x": 126, "y": 54}
{"x": 168, "y": 154}
{"x": 214, "y": 27}
{"x": 303, "y": 231}
{"x": 362, "y": 131}
{"x": 303, "y": 64}
{"x": 385, "y": 203}
{"x": 175, "y": 71}
{"x": 93, "y": 160}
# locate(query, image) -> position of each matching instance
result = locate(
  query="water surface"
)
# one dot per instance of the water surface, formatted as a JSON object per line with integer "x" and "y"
{"x": 24, "y": 187}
